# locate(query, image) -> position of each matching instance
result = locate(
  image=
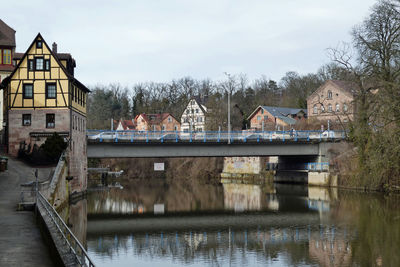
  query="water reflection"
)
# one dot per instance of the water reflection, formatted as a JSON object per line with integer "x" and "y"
{"x": 185, "y": 223}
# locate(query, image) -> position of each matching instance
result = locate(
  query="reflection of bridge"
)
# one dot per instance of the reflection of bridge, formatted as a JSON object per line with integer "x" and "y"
{"x": 129, "y": 224}
{"x": 130, "y": 144}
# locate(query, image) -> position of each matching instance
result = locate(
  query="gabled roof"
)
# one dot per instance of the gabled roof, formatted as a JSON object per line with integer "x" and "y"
{"x": 127, "y": 124}
{"x": 287, "y": 120}
{"x": 197, "y": 99}
{"x": 70, "y": 77}
{"x": 155, "y": 118}
{"x": 7, "y": 35}
{"x": 347, "y": 86}
{"x": 279, "y": 111}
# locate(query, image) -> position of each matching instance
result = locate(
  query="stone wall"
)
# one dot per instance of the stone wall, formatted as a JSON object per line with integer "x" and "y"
{"x": 19, "y": 133}
{"x": 77, "y": 160}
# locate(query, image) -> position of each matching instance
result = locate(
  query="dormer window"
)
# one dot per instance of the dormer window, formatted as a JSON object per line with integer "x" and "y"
{"x": 39, "y": 44}
{"x": 39, "y": 63}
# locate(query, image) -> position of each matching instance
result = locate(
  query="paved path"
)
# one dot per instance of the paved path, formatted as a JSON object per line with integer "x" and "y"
{"x": 21, "y": 243}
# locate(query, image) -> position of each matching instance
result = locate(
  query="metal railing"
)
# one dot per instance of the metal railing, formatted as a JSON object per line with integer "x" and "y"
{"x": 69, "y": 238}
{"x": 214, "y": 136}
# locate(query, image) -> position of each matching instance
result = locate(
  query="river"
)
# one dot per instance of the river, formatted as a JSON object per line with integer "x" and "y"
{"x": 183, "y": 223}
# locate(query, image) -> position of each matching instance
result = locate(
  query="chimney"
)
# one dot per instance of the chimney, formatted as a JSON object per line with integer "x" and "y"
{"x": 54, "y": 48}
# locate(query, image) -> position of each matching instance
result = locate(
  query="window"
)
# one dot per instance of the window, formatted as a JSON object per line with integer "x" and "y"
{"x": 30, "y": 64}
{"x": 39, "y": 44}
{"x": 163, "y": 128}
{"x": 51, "y": 90}
{"x": 50, "y": 120}
{"x": 7, "y": 56}
{"x": 26, "y": 119}
{"x": 258, "y": 118}
{"x": 175, "y": 128}
{"x": 337, "y": 109}
{"x": 266, "y": 117}
{"x": 322, "y": 108}
{"x": 329, "y": 108}
{"x": 200, "y": 119}
{"x": 169, "y": 119}
{"x": 345, "y": 120}
{"x": 47, "y": 64}
{"x": 0, "y": 57}
{"x": 39, "y": 63}
{"x": 27, "y": 91}
{"x": 345, "y": 108}
{"x": 329, "y": 94}
{"x": 315, "y": 109}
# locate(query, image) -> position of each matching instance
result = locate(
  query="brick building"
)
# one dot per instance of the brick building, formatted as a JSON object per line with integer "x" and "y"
{"x": 41, "y": 97}
{"x": 157, "y": 122}
{"x": 275, "y": 118}
{"x": 332, "y": 101}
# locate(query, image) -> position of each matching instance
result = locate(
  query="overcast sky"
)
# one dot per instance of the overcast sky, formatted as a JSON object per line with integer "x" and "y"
{"x": 131, "y": 41}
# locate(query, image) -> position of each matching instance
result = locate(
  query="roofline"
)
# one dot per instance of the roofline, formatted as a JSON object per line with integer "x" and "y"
{"x": 251, "y": 115}
{"x": 70, "y": 77}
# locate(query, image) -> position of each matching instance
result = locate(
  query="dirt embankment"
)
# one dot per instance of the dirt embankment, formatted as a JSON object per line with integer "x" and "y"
{"x": 206, "y": 170}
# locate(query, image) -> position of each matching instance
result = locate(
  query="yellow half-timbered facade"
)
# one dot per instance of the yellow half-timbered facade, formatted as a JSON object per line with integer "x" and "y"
{"x": 41, "y": 97}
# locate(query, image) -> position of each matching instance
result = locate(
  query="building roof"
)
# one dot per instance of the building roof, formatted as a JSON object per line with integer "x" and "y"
{"x": 278, "y": 111}
{"x": 7, "y": 35}
{"x": 347, "y": 86}
{"x": 155, "y": 118}
{"x": 69, "y": 75}
{"x": 60, "y": 56}
{"x": 287, "y": 120}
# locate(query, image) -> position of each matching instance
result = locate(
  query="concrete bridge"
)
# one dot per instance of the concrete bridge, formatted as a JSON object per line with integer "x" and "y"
{"x": 132, "y": 144}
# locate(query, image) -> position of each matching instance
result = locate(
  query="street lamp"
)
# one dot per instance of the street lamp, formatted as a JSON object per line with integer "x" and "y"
{"x": 229, "y": 107}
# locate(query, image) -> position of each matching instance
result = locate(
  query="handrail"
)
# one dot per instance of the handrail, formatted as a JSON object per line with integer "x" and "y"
{"x": 73, "y": 243}
{"x": 215, "y": 136}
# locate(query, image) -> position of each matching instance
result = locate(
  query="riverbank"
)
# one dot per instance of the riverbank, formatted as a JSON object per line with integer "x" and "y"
{"x": 21, "y": 243}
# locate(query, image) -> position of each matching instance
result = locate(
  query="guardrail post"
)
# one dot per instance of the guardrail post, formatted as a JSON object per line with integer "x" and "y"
{"x": 219, "y": 135}
{"x": 101, "y": 137}
{"x": 283, "y": 136}
{"x": 147, "y": 136}
{"x": 320, "y": 136}
{"x": 132, "y": 134}
{"x": 270, "y": 136}
{"x": 308, "y": 136}
{"x": 176, "y": 136}
{"x": 205, "y": 134}
{"x": 190, "y": 139}
{"x": 116, "y": 137}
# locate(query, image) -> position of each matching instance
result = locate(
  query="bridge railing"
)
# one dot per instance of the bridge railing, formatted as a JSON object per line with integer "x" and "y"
{"x": 75, "y": 247}
{"x": 213, "y": 136}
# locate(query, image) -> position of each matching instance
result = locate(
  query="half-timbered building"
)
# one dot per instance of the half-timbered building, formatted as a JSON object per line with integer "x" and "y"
{"x": 42, "y": 96}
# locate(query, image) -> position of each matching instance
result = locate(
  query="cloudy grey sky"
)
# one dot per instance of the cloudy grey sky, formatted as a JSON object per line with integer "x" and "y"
{"x": 130, "y": 41}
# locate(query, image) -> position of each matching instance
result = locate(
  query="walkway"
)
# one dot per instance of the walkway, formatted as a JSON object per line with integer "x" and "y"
{"x": 21, "y": 243}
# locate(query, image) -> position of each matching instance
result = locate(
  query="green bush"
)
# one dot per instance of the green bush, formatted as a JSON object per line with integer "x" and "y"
{"x": 53, "y": 147}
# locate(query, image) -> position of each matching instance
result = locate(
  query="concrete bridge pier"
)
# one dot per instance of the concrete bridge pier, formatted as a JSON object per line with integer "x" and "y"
{"x": 245, "y": 169}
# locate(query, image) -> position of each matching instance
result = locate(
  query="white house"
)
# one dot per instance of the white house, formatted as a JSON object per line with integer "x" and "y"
{"x": 193, "y": 118}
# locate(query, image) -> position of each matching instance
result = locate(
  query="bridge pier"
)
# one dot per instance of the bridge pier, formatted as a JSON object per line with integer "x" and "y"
{"x": 244, "y": 169}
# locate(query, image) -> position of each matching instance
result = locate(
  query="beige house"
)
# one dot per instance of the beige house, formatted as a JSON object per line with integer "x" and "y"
{"x": 332, "y": 101}
{"x": 275, "y": 118}
{"x": 157, "y": 122}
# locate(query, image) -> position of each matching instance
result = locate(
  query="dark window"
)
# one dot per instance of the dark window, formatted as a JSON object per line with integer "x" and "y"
{"x": 30, "y": 64}
{"x": 27, "y": 91}
{"x": 50, "y": 120}
{"x": 39, "y": 44}
{"x": 39, "y": 63}
{"x": 51, "y": 90}
{"x": 47, "y": 64}
{"x": 26, "y": 119}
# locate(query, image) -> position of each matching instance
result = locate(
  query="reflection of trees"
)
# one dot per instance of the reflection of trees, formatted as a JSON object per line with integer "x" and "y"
{"x": 377, "y": 220}
{"x": 214, "y": 246}
{"x": 178, "y": 196}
